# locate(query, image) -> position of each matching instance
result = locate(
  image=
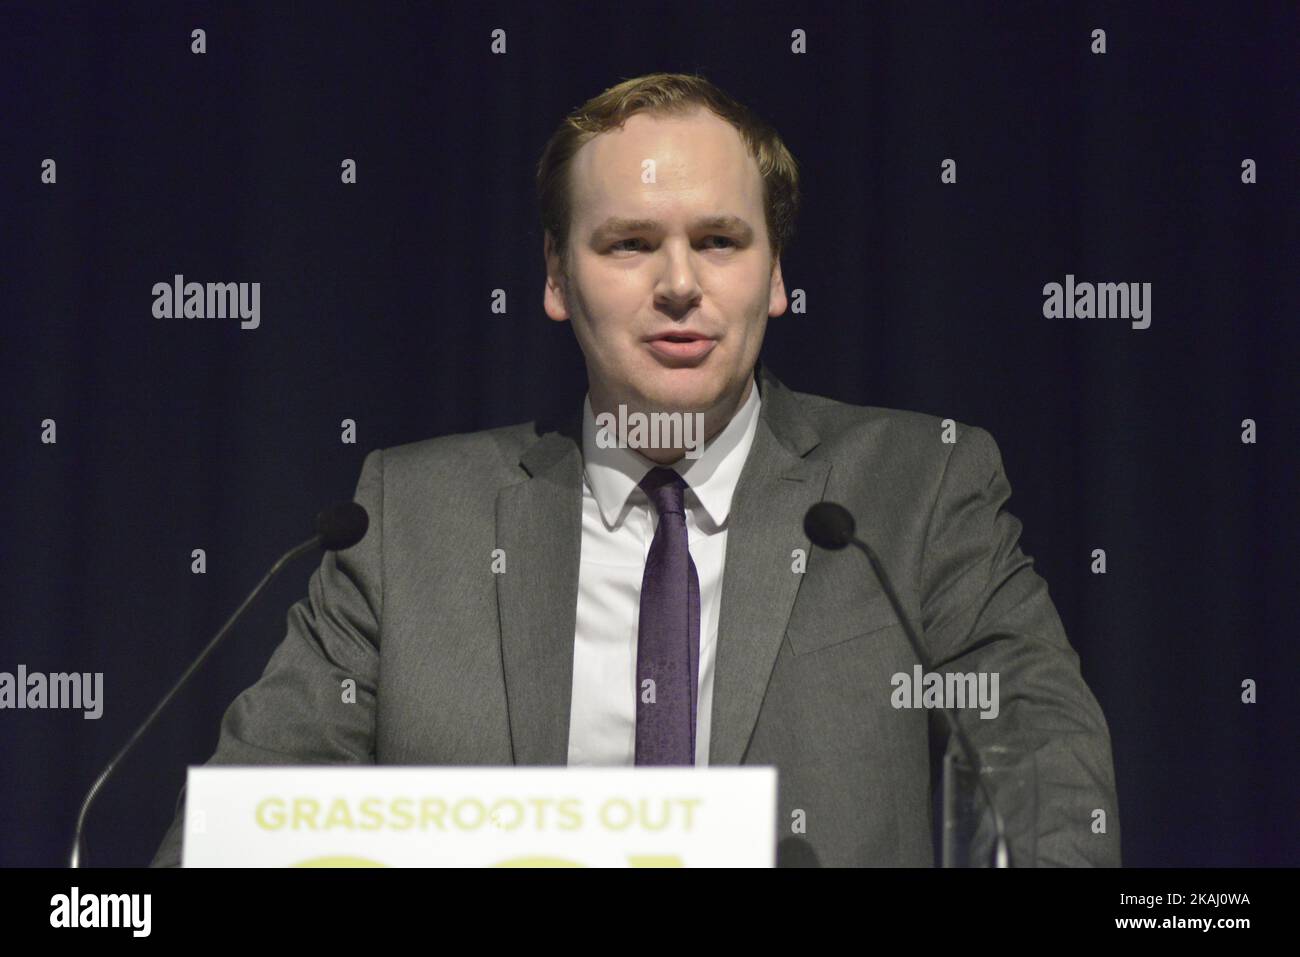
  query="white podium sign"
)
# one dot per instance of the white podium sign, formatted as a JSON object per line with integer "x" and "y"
{"x": 399, "y": 816}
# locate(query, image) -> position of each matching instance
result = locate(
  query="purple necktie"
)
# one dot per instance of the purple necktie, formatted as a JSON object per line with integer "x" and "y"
{"x": 668, "y": 632}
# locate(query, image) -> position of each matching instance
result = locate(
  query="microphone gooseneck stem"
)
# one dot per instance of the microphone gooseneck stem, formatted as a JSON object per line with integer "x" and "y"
{"x": 1001, "y": 852}
{"x": 77, "y": 858}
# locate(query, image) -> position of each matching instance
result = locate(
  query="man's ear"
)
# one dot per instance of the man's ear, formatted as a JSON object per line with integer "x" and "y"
{"x": 556, "y": 279}
{"x": 777, "y": 301}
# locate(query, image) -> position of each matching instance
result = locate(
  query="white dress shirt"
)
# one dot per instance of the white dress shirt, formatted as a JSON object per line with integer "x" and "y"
{"x": 618, "y": 525}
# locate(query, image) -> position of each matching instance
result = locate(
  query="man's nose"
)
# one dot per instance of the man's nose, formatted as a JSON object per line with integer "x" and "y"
{"x": 679, "y": 285}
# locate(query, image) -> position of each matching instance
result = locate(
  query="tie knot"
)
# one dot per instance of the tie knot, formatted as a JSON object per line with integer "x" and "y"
{"x": 666, "y": 491}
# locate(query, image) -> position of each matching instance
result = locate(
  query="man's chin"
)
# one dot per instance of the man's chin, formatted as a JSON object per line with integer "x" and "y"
{"x": 681, "y": 390}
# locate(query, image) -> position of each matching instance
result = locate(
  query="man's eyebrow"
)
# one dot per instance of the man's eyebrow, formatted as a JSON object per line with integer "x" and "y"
{"x": 617, "y": 224}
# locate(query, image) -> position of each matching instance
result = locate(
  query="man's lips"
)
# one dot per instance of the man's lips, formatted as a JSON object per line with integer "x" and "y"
{"x": 682, "y": 346}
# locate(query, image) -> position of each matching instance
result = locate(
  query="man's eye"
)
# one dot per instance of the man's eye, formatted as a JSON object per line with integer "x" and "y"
{"x": 622, "y": 244}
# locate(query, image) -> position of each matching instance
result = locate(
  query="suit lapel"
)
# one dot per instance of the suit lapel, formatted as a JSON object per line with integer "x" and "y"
{"x": 539, "y": 526}
{"x": 776, "y": 487}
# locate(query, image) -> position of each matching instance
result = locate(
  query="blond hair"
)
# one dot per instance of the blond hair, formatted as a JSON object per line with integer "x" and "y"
{"x": 666, "y": 94}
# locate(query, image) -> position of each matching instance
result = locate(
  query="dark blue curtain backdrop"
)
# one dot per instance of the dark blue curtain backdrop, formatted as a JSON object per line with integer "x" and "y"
{"x": 176, "y": 434}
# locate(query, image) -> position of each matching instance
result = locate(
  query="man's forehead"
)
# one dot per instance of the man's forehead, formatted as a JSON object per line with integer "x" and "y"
{"x": 699, "y": 158}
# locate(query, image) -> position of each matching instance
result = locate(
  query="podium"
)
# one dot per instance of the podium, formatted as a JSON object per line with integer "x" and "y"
{"x": 401, "y": 816}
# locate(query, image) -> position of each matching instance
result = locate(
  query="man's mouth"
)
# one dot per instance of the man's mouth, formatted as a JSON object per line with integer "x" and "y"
{"x": 681, "y": 348}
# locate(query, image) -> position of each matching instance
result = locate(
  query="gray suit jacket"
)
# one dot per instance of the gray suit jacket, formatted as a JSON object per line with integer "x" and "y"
{"x": 455, "y": 665}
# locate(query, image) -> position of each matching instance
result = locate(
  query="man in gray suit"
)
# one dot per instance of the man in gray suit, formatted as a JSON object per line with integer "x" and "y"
{"x": 542, "y": 596}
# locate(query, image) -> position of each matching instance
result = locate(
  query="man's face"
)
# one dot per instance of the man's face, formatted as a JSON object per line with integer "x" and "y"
{"x": 683, "y": 257}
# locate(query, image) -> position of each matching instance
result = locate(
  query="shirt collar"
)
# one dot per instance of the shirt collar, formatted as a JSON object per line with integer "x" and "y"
{"x": 614, "y": 474}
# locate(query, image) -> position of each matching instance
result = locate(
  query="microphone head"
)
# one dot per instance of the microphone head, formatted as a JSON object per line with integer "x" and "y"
{"x": 342, "y": 525}
{"x": 829, "y": 526}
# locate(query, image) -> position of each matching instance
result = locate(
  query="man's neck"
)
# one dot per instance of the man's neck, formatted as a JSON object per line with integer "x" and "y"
{"x": 715, "y": 420}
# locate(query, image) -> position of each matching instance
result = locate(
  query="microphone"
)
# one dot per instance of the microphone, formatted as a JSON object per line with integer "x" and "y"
{"x": 341, "y": 526}
{"x": 831, "y": 526}
{"x": 337, "y": 527}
